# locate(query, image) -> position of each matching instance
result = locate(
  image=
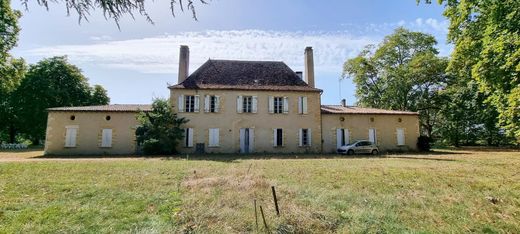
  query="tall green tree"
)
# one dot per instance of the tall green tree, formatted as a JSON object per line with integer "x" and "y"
{"x": 99, "y": 96}
{"x": 50, "y": 83}
{"x": 160, "y": 129}
{"x": 402, "y": 73}
{"x": 9, "y": 30}
{"x": 486, "y": 35}
{"x": 11, "y": 75}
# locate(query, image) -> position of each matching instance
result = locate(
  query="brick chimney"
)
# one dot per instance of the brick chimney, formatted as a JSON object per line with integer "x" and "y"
{"x": 344, "y": 102}
{"x": 184, "y": 63}
{"x": 309, "y": 66}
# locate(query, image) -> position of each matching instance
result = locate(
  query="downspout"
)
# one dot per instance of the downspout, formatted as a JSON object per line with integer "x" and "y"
{"x": 321, "y": 126}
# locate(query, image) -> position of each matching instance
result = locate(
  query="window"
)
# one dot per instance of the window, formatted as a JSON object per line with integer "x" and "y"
{"x": 342, "y": 137}
{"x": 305, "y": 137}
{"x": 108, "y": 118}
{"x": 278, "y": 105}
{"x": 277, "y": 137}
{"x": 106, "y": 138}
{"x": 246, "y": 104}
{"x": 188, "y": 103}
{"x": 188, "y": 137}
{"x": 213, "y": 137}
{"x": 302, "y": 105}
{"x": 211, "y": 103}
{"x": 400, "y": 136}
{"x": 70, "y": 136}
{"x": 372, "y": 135}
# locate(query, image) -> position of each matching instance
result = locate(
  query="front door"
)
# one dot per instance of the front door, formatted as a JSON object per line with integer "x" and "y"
{"x": 247, "y": 136}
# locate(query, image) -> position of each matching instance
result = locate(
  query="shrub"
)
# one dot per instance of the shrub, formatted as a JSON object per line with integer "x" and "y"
{"x": 423, "y": 143}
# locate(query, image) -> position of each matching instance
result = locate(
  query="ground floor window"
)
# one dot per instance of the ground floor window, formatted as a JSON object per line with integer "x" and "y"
{"x": 106, "y": 138}
{"x": 278, "y": 137}
{"x": 342, "y": 137}
{"x": 372, "y": 137}
{"x": 305, "y": 137}
{"x": 400, "y": 136}
{"x": 213, "y": 137}
{"x": 70, "y": 136}
{"x": 188, "y": 137}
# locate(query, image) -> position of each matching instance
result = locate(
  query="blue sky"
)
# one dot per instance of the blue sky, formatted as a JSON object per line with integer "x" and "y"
{"x": 136, "y": 63}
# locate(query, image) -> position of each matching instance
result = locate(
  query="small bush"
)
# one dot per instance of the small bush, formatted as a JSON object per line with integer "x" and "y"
{"x": 423, "y": 143}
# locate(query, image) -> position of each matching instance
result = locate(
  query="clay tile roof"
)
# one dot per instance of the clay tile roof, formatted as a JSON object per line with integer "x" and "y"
{"x": 105, "y": 108}
{"x": 245, "y": 75}
{"x": 338, "y": 109}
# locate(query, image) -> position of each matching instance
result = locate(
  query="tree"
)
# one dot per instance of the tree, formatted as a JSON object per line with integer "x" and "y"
{"x": 486, "y": 35}
{"x": 160, "y": 130}
{"x": 50, "y": 83}
{"x": 8, "y": 30}
{"x": 11, "y": 75}
{"x": 117, "y": 9}
{"x": 402, "y": 73}
{"x": 99, "y": 96}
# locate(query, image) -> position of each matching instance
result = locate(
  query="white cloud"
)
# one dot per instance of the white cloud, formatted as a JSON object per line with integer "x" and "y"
{"x": 160, "y": 54}
{"x": 101, "y": 38}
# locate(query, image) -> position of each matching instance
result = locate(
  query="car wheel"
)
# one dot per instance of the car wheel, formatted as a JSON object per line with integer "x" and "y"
{"x": 350, "y": 152}
{"x": 375, "y": 152}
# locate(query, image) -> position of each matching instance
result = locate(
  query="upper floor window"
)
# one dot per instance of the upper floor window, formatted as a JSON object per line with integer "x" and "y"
{"x": 188, "y": 103}
{"x": 278, "y": 105}
{"x": 211, "y": 103}
{"x": 246, "y": 104}
{"x": 302, "y": 105}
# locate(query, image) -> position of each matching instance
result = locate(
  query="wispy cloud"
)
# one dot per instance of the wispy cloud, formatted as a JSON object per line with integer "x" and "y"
{"x": 160, "y": 54}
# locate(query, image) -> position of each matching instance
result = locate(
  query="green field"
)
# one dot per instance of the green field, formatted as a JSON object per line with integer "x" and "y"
{"x": 451, "y": 191}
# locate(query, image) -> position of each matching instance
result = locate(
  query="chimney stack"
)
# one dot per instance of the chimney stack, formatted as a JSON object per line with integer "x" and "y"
{"x": 299, "y": 74}
{"x": 309, "y": 66}
{"x": 344, "y": 102}
{"x": 184, "y": 63}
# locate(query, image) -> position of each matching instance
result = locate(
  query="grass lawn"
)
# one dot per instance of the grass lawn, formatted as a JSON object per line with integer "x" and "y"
{"x": 454, "y": 191}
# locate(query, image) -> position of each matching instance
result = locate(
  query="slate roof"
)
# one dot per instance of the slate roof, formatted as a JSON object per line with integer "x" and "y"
{"x": 339, "y": 109}
{"x": 245, "y": 75}
{"x": 105, "y": 108}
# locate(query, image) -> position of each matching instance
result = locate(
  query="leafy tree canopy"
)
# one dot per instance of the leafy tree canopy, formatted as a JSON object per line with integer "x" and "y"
{"x": 486, "y": 35}
{"x": 50, "y": 83}
{"x": 160, "y": 130}
{"x": 117, "y": 9}
{"x": 402, "y": 73}
{"x": 8, "y": 29}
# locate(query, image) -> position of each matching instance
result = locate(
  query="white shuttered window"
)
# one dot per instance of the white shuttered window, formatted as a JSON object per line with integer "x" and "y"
{"x": 70, "y": 136}
{"x": 400, "y": 136}
{"x": 213, "y": 137}
{"x": 302, "y": 105}
{"x": 188, "y": 137}
{"x": 106, "y": 138}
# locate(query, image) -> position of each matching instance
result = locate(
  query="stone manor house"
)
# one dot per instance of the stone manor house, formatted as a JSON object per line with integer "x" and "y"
{"x": 237, "y": 107}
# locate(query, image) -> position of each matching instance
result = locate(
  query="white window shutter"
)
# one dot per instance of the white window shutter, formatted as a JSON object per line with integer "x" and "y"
{"x": 217, "y": 103}
{"x": 300, "y": 110}
{"x": 206, "y": 103}
{"x": 347, "y": 136}
{"x": 180, "y": 103}
{"x": 400, "y": 136}
{"x": 255, "y": 102}
{"x": 70, "y": 136}
{"x": 190, "y": 137}
{"x": 275, "y": 137}
{"x": 251, "y": 140}
{"x": 285, "y": 105}
{"x": 304, "y": 105}
{"x": 339, "y": 136}
{"x": 106, "y": 138}
{"x": 309, "y": 136}
{"x": 239, "y": 104}
{"x": 216, "y": 140}
{"x": 197, "y": 103}
{"x": 242, "y": 137}
{"x": 372, "y": 135}
{"x": 300, "y": 136}
{"x": 271, "y": 104}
